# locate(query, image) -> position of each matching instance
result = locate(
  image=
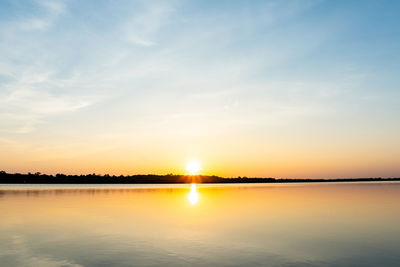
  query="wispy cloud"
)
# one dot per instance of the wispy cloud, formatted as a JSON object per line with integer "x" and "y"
{"x": 29, "y": 100}
{"x": 144, "y": 26}
{"x": 50, "y": 11}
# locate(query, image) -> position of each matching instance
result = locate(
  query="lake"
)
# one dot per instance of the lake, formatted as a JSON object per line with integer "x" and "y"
{"x": 318, "y": 224}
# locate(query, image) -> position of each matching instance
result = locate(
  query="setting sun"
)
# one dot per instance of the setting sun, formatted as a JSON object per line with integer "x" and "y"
{"x": 193, "y": 167}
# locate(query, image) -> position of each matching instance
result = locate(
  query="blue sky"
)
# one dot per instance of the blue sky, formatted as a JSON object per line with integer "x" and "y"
{"x": 245, "y": 86}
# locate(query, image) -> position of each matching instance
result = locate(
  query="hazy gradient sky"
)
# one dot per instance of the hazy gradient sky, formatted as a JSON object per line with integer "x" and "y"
{"x": 257, "y": 88}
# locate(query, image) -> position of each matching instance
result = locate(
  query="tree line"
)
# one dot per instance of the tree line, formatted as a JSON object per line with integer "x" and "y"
{"x": 39, "y": 178}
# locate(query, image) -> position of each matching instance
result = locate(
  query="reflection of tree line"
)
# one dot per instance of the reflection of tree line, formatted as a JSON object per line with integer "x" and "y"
{"x": 38, "y": 178}
{"x": 33, "y": 192}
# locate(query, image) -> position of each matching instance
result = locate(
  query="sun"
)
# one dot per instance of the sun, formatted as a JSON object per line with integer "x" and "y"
{"x": 193, "y": 167}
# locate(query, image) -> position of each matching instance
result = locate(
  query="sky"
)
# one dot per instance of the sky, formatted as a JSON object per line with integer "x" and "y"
{"x": 291, "y": 89}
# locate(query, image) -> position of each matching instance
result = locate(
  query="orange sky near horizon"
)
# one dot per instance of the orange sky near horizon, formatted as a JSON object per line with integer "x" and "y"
{"x": 222, "y": 158}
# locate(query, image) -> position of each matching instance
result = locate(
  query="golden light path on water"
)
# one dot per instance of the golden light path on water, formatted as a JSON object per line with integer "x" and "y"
{"x": 193, "y": 195}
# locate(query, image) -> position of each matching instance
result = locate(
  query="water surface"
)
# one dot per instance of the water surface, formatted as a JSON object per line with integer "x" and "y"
{"x": 327, "y": 224}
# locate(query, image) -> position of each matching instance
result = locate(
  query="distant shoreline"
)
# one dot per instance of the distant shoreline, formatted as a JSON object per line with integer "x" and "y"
{"x": 38, "y": 178}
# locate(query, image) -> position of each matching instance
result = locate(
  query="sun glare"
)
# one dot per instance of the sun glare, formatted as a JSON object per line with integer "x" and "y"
{"x": 193, "y": 167}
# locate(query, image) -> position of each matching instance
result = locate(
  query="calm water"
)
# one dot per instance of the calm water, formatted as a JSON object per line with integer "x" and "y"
{"x": 349, "y": 224}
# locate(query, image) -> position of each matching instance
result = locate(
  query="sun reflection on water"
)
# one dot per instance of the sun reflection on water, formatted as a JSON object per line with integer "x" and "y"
{"x": 193, "y": 195}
